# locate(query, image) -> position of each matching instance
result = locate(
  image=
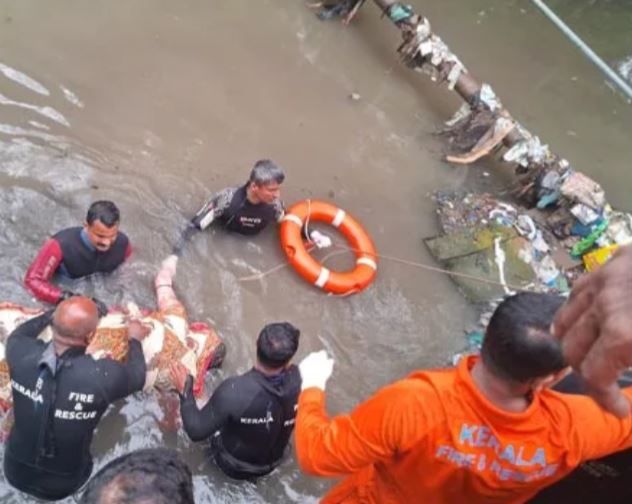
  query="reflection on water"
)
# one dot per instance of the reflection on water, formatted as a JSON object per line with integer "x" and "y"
{"x": 179, "y": 103}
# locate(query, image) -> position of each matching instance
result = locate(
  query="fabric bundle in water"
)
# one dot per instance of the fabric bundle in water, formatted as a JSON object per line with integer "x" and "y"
{"x": 171, "y": 339}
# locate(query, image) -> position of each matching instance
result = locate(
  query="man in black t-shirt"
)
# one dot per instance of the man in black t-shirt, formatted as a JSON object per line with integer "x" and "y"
{"x": 249, "y": 418}
{"x": 249, "y": 208}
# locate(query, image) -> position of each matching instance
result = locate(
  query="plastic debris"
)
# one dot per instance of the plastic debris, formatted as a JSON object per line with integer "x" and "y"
{"x": 503, "y": 216}
{"x": 487, "y": 96}
{"x": 422, "y": 49}
{"x": 552, "y": 181}
{"x": 475, "y": 339}
{"x": 456, "y": 358}
{"x": 547, "y": 271}
{"x": 500, "y": 258}
{"x": 580, "y": 248}
{"x": 539, "y": 244}
{"x": 548, "y": 199}
{"x": 598, "y": 257}
{"x": 529, "y": 151}
{"x": 585, "y": 214}
{"x": 464, "y": 111}
{"x": 579, "y": 188}
{"x": 526, "y": 226}
{"x": 398, "y": 12}
{"x": 619, "y": 228}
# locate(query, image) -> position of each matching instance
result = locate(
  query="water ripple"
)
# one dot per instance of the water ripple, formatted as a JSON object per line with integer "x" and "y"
{"x": 23, "y": 79}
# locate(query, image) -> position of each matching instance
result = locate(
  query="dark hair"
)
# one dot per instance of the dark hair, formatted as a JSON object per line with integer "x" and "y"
{"x": 277, "y": 343}
{"x": 150, "y": 476}
{"x": 105, "y": 211}
{"x": 266, "y": 172}
{"x": 518, "y": 344}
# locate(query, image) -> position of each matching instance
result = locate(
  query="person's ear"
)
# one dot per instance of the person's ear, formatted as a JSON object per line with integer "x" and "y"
{"x": 549, "y": 380}
{"x": 90, "y": 337}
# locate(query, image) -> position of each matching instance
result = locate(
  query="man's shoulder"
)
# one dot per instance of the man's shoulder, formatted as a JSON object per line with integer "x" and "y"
{"x": 420, "y": 388}
{"x": 67, "y": 233}
{"x": 434, "y": 378}
{"x": 227, "y": 192}
{"x": 240, "y": 385}
{"x": 223, "y": 198}
{"x": 23, "y": 349}
{"x": 122, "y": 238}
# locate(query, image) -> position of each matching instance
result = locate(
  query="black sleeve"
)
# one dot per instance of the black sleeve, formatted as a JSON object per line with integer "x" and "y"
{"x": 25, "y": 334}
{"x": 121, "y": 380}
{"x": 191, "y": 229}
{"x": 202, "y": 424}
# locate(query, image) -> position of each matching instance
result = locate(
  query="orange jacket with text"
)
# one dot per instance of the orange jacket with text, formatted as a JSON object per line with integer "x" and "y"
{"x": 434, "y": 438}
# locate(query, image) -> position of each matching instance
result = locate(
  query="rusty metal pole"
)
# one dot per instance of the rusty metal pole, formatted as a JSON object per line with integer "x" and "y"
{"x": 466, "y": 86}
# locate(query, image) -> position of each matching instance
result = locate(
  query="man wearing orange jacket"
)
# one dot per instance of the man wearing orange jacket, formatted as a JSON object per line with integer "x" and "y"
{"x": 489, "y": 431}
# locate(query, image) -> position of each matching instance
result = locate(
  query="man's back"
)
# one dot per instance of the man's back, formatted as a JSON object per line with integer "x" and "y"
{"x": 58, "y": 402}
{"x": 441, "y": 441}
{"x": 254, "y": 415}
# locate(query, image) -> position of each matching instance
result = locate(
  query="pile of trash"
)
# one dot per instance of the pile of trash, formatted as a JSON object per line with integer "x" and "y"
{"x": 495, "y": 248}
{"x": 570, "y": 229}
{"x": 578, "y": 214}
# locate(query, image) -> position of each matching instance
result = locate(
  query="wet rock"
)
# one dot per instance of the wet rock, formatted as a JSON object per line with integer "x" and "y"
{"x": 472, "y": 252}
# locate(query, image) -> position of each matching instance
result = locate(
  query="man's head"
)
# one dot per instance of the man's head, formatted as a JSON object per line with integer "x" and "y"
{"x": 518, "y": 347}
{"x": 74, "y": 321}
{"x": 150, "y": 476}
{"x": 102, "y": 224}
{"x": 265, "y": 181}
{"x": 276, "y": 345}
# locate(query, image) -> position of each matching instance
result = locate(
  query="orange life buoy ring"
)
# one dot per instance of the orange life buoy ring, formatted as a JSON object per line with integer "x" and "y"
{"x": 311, "y": 270}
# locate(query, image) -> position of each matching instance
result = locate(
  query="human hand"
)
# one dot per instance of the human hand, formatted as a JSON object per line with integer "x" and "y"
{"x": 137, "y": 330}
{"x": 595, "y": 327}
{"x": 315, "y": 370}
{"x": 321, "y": 240}
{"x": 179, "y": 376}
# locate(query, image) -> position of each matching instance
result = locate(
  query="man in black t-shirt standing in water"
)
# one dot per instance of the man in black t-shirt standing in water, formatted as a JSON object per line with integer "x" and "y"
{"x": 249, "y": 418}
{"x": 245, "y": 209}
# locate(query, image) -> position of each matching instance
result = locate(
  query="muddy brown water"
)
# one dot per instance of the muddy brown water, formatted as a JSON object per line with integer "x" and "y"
{"x": 155, "y": 104}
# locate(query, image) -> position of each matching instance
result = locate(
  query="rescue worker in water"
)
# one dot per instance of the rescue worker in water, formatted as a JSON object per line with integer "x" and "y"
{"x": 59, "y": 396}
{"x": 97, "y": 247}
{"x": 247, "y": 209}
{"x": 249, "y": 418}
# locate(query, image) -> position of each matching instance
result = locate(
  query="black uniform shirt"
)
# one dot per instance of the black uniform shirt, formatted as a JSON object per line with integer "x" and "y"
{"x": 58, "y": 402}
{"x": 232, "y": 209}
{"x": 253, "y": 414}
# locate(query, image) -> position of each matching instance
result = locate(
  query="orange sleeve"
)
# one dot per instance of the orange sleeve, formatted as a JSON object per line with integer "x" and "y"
{"x": 598, "y": 432}
{"x": 390, "y": 421}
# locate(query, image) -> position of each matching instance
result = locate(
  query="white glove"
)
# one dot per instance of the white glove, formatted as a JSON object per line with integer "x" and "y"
{"x": 321, "y": 240}
{"x": 315, "y": 370}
